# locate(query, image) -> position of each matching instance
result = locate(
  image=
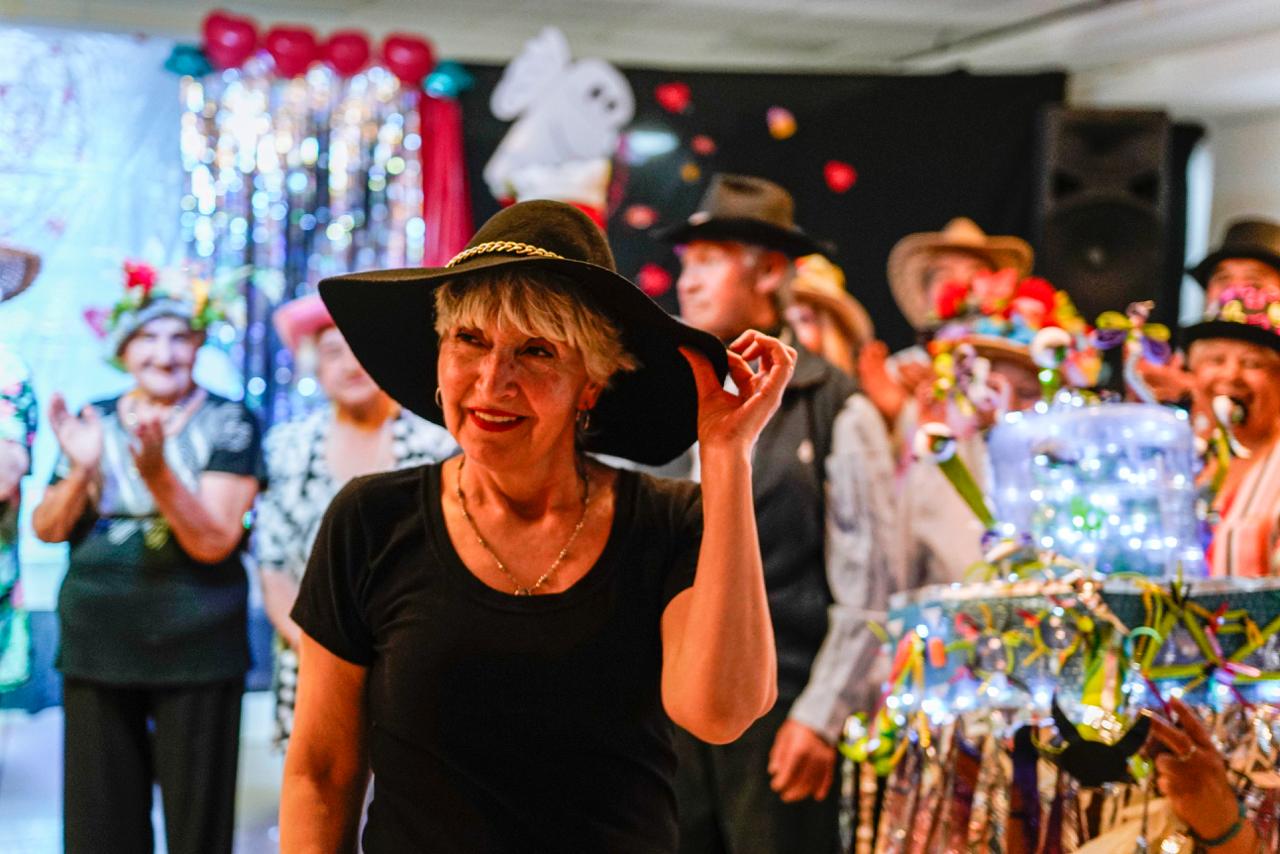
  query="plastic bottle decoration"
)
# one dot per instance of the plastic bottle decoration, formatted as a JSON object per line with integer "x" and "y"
{"x": 568, "y": 116}
{"x": 935, "y": 442}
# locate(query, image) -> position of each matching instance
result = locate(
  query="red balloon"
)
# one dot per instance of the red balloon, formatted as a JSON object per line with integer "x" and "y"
{"x": 347, "y": 51}
{"x": 409, "y": 57}
{"x": 229, "y": 39}
{"x": 293, "y": 49}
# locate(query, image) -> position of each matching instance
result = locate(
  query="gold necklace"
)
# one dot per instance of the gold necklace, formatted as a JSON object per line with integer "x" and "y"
{"x": 520, "y": 589}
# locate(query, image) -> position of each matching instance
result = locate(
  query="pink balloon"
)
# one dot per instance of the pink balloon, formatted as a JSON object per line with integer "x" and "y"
{"x": 293, "y": 49}
{"x": 347, "y": 51}
{"x": 409, "y": 57}
{"x": 229, "y": 39}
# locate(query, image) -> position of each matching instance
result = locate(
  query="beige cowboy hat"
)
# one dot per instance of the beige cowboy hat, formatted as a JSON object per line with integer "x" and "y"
{"x": 909, "y": 260}
{"x": 820, "y": 282}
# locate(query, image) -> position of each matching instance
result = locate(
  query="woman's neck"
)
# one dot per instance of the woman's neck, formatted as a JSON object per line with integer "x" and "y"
{"x": 552, "y": 484}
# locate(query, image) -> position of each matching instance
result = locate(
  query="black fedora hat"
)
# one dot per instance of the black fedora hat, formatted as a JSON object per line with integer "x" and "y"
{"x": 747, "y": 209}
{"x": 648, "y": 415}
{"x": 1254, "y": 238}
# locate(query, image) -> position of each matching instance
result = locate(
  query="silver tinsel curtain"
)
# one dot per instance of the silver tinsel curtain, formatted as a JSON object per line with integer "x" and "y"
{"x": 292, "y": 180}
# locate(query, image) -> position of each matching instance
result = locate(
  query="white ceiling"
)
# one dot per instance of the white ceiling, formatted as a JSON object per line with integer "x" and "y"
{"x": 1098, "y": 40}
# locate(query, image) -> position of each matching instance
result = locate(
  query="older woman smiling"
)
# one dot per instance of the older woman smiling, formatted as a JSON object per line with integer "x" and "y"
{"x": 150, "y": 491}
{"x": 503, "y": 637}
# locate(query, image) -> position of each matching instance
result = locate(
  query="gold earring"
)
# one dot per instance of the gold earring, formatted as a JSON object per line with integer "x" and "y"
{"x": 439, "y": 398}
{"x": 584, "y": 420}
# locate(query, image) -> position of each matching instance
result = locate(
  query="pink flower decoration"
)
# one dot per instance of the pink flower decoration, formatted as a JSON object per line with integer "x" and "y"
{"x": 950, "y": 300}
{"x": 1029, "y": 309}
{"x": 139, "y": 275}
{"x": 993, "y": 290}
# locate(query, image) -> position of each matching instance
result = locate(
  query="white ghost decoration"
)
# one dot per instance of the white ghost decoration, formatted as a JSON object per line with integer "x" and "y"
{"x": 568, "y": 116}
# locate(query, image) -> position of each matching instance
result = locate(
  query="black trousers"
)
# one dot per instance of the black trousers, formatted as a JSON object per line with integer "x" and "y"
{"x": 119, "y": 739}
{"x": 727, "y": 807}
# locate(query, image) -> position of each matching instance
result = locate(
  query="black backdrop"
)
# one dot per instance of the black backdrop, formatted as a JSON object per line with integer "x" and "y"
{"x": 925, "y": 148}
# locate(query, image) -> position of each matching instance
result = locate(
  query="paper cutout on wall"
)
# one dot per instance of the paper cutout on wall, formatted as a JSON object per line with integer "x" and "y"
{"x": 568, "y": 116}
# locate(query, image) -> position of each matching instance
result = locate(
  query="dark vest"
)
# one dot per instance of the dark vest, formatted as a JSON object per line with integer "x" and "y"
{"x": 789, "y": 478}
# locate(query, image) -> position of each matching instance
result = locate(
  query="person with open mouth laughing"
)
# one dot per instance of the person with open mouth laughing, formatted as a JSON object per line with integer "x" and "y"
{"x": 1234, "y": 357}
{"x": 504, "y": 639}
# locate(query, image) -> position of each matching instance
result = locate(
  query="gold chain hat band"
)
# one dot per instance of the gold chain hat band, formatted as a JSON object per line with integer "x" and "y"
{"x": 506, "y": 246}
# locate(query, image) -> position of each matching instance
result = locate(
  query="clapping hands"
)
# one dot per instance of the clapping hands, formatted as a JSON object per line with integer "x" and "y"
{"x": 79, "y": 436}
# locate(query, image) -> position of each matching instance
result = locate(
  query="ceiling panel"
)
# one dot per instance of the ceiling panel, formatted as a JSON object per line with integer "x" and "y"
{"x": 920, "y": 35}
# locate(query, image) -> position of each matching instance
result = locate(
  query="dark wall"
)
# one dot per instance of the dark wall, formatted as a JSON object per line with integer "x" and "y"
{"x": 925, "y": 149}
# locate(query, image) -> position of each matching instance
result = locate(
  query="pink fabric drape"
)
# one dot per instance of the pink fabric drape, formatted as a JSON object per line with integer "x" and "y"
{"x": 446, "y": 196}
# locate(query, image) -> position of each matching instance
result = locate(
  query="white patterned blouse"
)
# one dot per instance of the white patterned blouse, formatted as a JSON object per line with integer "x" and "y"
{"x": 299, "y": 489}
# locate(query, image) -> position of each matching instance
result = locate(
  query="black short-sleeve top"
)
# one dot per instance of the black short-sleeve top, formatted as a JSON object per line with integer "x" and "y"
{"x": 134, "y": 608}
{"x": 501, "y": 723}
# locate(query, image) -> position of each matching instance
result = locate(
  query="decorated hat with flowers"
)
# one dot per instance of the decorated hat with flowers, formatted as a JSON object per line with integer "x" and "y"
{"x": 150, "y": 293}
{"x": 1001, "y": 315}
{"x": 1242, "y": 312}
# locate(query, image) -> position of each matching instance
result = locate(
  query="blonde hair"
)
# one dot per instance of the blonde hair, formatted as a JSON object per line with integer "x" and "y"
{"x": 541, "y": 305}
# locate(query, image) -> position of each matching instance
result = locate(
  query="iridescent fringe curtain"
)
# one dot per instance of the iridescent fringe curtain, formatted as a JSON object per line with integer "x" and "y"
{"x": 291, "y": 181}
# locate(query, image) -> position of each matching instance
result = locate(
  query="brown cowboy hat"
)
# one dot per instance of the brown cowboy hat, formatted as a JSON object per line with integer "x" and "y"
{"x": 648, "y": 415}
{"x": 1254, "y": 238}
{"x": 909, "y": 260}
{"x": 18, "y": 269}
{"x": 746, "y": 209}
{"x": 822, "y": 283}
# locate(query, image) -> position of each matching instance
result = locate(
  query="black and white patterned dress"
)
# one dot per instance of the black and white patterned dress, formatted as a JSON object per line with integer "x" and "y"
{"x": 299, "y": 489}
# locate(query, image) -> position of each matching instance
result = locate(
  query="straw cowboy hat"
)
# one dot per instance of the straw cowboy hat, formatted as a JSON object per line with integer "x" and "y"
{"x": 746, "y": 209}
{"x": 648, "y": 415}
{"x": 1254, "y": 238}
{"x": 909, "y": 261}
{"x": 822, "y": 283}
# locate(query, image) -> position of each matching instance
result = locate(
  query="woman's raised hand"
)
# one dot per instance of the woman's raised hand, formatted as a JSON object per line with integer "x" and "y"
{"x": 80, "y": 436}
{"x": 1191, "y": 773}
{"x": 729, "y": 420}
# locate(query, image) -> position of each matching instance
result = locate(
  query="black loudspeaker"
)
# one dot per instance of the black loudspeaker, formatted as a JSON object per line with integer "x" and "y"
{"x": 1104, "y": 209}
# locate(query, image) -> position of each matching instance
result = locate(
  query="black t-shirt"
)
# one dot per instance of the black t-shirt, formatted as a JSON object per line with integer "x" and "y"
{"x": 134, "y": 607}
{"x": 501, "y": 723}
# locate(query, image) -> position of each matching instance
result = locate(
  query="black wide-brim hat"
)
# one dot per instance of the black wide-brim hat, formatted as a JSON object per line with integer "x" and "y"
{"x": 1231, "y": 329}
{"x": 746, "y": 209}
{"x": 1258, "y": 239}
{"x": 648, "y": 415}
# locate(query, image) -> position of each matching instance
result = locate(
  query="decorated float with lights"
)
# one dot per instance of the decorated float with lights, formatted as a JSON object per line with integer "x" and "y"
{"x": 1010, "y": 720}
